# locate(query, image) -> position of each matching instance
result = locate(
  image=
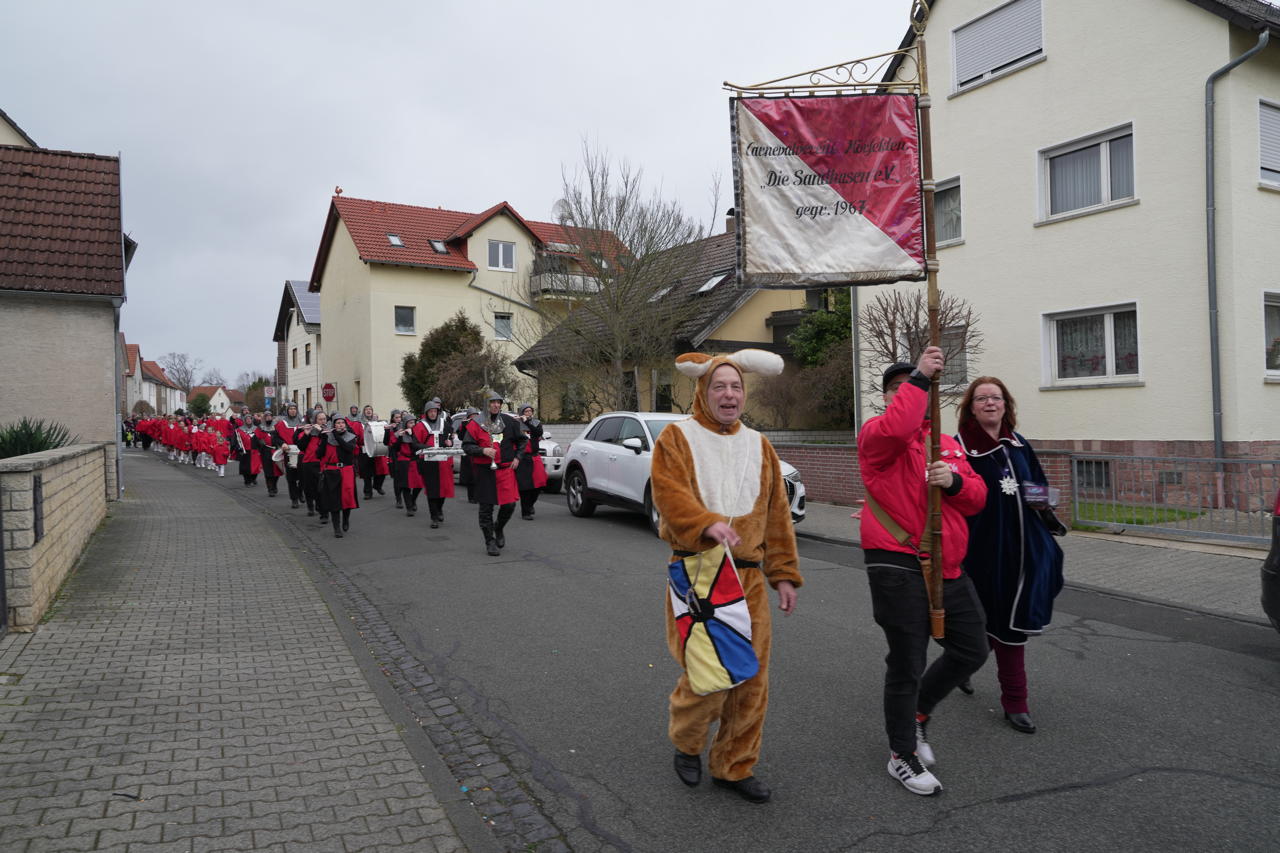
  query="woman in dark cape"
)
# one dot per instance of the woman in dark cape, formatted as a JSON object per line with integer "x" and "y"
{"x": 1015, "y": 564}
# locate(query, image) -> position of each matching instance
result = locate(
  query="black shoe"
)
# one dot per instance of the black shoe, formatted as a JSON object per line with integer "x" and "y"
{"x": 410, "y": 510}
{"x": 337, "y": 534}
{"x": 966, "y": 687}
{"x": 379, "y": 491}
{"x": 434, "y": 524}
{"x": 294, "y": 505}
{"x": 491, "y": 548}
{"x": 499, "y": 539}
{"x": 689, "y": 768}
{"x": 1021, "y": 723}
{"x": 528, "y": 516}
{"x": 750, "y": 789}
{"x": 368, "y": 496}
{"x": 399, "y": 504}
{"x": 310, "y": 513}
{"x": 324, "y": 519}
{"x": 473, "y": 500}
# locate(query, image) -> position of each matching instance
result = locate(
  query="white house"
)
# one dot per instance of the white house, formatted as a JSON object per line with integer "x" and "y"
{"x": 1069, "y": 145}
{"x": 297, "y": 337}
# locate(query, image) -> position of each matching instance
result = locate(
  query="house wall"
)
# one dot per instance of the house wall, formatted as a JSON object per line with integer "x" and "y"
{"x": 748, "y": 322}
{"x": 304, "y": 376}
{"x": 1014, "y": 269}
{"x": 9, "y": 136}
{"x": 61, "y": 353}
{"x": 344, "y": 299}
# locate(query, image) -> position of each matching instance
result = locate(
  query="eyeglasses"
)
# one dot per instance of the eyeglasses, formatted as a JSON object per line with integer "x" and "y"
{"x": 994, "y": 398}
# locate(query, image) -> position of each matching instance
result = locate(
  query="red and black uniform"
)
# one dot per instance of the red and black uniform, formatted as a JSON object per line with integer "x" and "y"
{"x": 288, "y": 434}
{"x": 436, "y": 475}
{"x": 312, "y": 444}
{"x": 406, "y": 478}
{"x": 495, "y": 482}
{"x": 250, "y": 461}
{"x": 338, "y": 473}
{"x": 531, "y": 475}
{"x": 265, "y": 442}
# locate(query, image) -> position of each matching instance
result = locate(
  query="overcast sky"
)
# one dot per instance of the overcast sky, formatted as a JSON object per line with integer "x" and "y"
{"x": 236, "y": 120}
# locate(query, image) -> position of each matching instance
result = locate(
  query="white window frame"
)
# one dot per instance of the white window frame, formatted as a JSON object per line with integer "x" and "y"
{"x": 1268, "y": 154}
{"x": 500, "y": 244}
{"x": 1002, "y": 70}
{"x": 1104, "y": 152}
{"x": 1270, "y": 298}
{"x": 940, "y": 186}
{"x": 497, "y": 331}
{"x": 413, "y": 329}
{"x": 395, "y": 240}
{"x": 1049, "y": 332}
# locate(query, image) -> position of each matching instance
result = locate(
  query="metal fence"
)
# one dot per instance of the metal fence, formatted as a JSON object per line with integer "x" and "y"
{"x": 1171, "y": 495}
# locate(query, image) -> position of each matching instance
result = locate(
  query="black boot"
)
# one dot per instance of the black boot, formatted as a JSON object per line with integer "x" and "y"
{"x": 346, "y": 519}
{"x": 337, "y": 524}
{"x": 399, "y": 502}
{"x": 504, "y": 515}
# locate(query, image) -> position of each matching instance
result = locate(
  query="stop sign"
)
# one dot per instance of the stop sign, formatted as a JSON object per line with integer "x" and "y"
{"x": 328, "y": 392}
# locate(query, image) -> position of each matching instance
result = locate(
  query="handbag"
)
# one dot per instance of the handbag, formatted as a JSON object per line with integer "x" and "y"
{"x": 710, "y": 609}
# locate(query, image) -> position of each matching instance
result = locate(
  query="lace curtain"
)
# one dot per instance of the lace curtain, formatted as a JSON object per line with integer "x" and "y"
{"x": 1082, "y": 344}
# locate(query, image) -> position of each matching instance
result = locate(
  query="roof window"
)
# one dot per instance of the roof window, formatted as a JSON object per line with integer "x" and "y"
{"x": 394, "y": 239}
{"x": 661, "y": 293}
{"x": 440, "y": 247}
{"x": 712, "y": 282}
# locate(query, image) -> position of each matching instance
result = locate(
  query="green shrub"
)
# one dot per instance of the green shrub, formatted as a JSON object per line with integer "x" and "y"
{"x": 28, "y": 436}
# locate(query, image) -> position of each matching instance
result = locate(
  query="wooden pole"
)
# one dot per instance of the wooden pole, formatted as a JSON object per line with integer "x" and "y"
{"x": 931, "y": 539}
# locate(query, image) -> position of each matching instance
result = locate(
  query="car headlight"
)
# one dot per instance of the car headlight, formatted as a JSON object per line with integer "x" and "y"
{"x": 794, "y": 476}
{"x": 557, "y": 450}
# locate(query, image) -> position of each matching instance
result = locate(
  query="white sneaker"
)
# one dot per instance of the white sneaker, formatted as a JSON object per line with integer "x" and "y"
{"x": 923, "y": 750}
{"x": 911, "y": 773}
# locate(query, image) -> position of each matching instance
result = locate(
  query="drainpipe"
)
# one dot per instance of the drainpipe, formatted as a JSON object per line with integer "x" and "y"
{"x": 1211, "y": 236}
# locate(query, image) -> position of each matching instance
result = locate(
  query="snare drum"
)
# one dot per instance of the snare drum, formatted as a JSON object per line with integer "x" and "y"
{"x": 374, "y": 433}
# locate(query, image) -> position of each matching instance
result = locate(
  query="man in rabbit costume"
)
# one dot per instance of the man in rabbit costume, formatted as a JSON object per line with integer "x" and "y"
{"x": 715, "y": 480}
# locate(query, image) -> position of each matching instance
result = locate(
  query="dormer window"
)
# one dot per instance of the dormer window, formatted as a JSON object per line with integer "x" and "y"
{"x": 712, "y": 282}
{"x": 439, "y": 247}
{"x": 394, "y": 239}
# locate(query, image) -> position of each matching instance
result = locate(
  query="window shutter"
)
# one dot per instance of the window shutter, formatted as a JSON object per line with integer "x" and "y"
{"x": 1269, "y": 131}
{"x": 997, "y": 39}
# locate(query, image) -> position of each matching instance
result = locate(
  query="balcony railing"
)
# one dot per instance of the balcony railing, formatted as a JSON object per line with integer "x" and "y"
{"x": 562, "y": 284}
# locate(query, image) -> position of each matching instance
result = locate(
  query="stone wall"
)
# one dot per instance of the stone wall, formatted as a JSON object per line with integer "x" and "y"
{"x": 52, "y": 503}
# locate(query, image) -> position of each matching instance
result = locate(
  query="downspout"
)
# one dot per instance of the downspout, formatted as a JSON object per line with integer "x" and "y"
{"x": 1211, "y": 236}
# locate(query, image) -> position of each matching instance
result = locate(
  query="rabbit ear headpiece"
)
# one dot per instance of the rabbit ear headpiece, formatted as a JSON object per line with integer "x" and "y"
{"x": 700, "y": 366}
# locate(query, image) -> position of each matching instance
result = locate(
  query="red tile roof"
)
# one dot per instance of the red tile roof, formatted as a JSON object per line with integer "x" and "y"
{"x": 134, "y": 352}
{"x": 235, "y": 396}
{"x": 60, "y": 222}
{"x": 207, "y": 390}
{"x": 154, "y": 372}
{"x": 369, "y": 222}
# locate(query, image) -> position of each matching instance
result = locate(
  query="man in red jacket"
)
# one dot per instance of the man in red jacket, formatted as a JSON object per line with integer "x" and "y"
{"x": 897, "y": 475}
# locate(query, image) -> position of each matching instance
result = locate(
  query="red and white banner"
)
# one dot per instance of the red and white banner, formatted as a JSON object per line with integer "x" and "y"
{"x": 827, "y": 190}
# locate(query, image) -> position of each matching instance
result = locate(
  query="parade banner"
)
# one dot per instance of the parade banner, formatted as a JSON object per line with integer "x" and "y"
{"x": 827, "y": 190}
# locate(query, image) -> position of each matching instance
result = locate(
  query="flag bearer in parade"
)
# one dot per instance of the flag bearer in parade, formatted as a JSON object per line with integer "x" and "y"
{"x": 717, "y": 482}
{"x": 494, "y": 444}
{"x": 896, "y": 471}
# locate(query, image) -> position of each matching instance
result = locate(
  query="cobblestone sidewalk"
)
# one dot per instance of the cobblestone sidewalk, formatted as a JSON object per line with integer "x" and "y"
{"x": 190, "y": 692}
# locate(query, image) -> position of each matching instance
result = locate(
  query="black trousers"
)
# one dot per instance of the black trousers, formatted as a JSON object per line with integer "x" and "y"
{"x": 309, "y": 474}
{"x": 293, "y": 476}
{"x": 901, "y": 607}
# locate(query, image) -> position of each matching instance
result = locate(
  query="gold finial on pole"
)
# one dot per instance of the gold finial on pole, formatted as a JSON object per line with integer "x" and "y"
{"x": 919, "y": 16}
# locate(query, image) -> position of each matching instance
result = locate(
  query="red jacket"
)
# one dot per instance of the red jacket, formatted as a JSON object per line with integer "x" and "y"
{"x": 892, "y": 459}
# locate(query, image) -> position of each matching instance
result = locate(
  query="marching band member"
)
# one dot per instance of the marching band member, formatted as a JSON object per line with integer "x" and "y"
{"x": 219, "y": 452}
{"x": 494, "y": 444}
{"x": 265, "y": 441}
{"x": 312, "y": 439}
{"x": 437, "y": 476}
{"x": 392, "y": 426}
{"x": 250, "y": 461}
{"x": 408, "y": 479}
{"x": 533, "y": 476}
{"x": 287, "y": 429}
{"x": 338, "y": 470}
{"x": 466, "y": 476}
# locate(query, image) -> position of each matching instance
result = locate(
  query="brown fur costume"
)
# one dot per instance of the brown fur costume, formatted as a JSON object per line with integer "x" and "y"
{"x": 741, "y": 484}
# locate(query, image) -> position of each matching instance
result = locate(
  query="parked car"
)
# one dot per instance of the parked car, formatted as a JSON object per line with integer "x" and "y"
{"x": 551, "y": 451}
{"x": 1271, "y": 571}
{"x": 609, "y": 464}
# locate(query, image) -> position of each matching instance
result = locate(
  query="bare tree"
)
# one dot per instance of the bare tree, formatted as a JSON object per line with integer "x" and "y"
{"x": 249, "y": 378}
{"x": 465, "y": 377}
{"x": 181, "y": 368}
{"x": 894, "y": 326}
{"x": 213, "y": 376}
{"x": 634, "y": 248}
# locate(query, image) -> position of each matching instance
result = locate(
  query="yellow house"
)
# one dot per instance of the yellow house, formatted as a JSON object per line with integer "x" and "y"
{"x": 387, "y": 274}
{"x": 716, "y": 317}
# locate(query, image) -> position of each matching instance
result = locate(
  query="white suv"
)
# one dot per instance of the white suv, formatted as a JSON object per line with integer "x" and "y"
{"x": 609, "y": 464}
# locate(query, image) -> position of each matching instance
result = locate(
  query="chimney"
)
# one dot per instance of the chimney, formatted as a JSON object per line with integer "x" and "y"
{"x": 729, "y": 216}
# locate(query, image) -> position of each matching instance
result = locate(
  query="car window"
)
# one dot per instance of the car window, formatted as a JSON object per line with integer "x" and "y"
{"x": 606, "y": 430}
{"x": 631, "y": 428}
{"x": 656, "y": 426}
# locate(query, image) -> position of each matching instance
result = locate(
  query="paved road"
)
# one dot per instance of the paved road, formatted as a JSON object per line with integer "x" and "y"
{"x": 554, "y": 654}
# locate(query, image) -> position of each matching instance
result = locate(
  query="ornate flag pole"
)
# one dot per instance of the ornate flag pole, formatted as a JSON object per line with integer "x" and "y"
{"x": 871, "y": 256}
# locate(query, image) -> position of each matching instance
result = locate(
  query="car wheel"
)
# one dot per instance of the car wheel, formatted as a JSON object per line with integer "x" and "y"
{"x": 651, "y": 510}
{"x": 575, "y": 488}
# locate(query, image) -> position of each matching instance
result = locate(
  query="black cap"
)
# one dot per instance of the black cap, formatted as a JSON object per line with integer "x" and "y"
{"x": 895, "y": 369}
